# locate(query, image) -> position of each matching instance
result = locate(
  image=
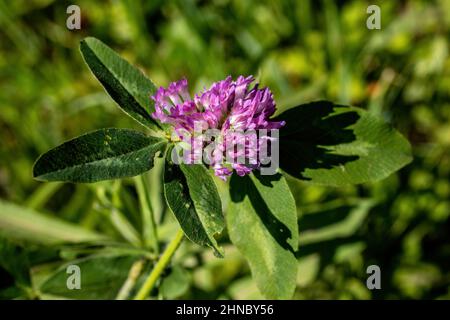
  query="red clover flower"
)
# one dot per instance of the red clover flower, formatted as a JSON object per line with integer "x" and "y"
{"x": 230, "y": 113}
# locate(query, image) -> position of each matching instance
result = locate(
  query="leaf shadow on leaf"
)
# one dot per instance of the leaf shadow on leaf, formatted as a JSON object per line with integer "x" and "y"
{"x": 327, "y": 241}
{"x": 267, "y": 180}
{"x": 309, "y": 132}
{"x": 325, "y": 218}
{"x": 318, "y": 221}
{"x": 326, "y": 249}
{"x": 185, "y": 209}
{"x": 242, "y": 187}
{"x": 190, "y": 222}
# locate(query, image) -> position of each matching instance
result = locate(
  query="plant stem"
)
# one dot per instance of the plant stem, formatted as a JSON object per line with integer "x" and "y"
{"x": 134, "y": 273}
{"x": 111, "y": 209}
{"x": 125, "y": 228}
{"x": 160, "y": 266}
{"x": 42, "y": 194}
{"x": 148, "y": 220}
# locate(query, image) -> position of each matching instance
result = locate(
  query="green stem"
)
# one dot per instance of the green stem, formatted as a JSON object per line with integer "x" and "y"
{"x": 125, "y": 228}
{"x": 128, "y": 285}
{"x": 42, "y": 194}
{"x": 111, "y": 209}
{"x": 160, "y": 266}
{"x": 148, "y": 220}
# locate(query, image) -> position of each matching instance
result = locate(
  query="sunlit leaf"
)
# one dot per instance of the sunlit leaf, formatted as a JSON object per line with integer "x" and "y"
{"x": 99, "y": 155}
{"x": 262, "y": 223}
{"x": 337, "y": 145}
{"x": 125, "y": 84}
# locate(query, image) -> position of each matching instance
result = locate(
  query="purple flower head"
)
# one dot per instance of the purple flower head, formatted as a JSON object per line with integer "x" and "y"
{"x": 232, "y": 110}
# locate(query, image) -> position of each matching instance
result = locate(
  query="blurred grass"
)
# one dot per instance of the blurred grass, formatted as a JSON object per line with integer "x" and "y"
{"x": 304, "y": 50}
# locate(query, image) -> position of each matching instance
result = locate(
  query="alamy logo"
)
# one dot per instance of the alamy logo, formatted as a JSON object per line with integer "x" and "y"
{"x": 73, "y": 21}
{"x": 74, "y": 280}
{"x": 374, "y": 20}
{"x": 374, "y": 280}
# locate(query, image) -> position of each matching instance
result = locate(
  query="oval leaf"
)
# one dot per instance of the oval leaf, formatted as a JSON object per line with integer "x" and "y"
{"x": 337, "y": 145}
{"x": 192, "y": 196}
{"x": 99, "y": 155}
{"x": 262, "y": 223}
{"x": 125, "y": 84}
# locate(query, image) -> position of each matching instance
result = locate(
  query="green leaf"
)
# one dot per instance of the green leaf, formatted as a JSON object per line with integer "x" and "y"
{"x": 14, "y": 260}
{"x": 330, "y": 228}
{"x": 175, "y": 284}
{"x": 99, "y": 155}
{"x": 333, "y": 222}
{"x": 26, "y": 224}
{"x": 192, "y": 196}
{"x": 336, "y": 145}
{"x": 262, "y": 223}
{"x": 101, "y": 277}
{"x": 125, "y": 84}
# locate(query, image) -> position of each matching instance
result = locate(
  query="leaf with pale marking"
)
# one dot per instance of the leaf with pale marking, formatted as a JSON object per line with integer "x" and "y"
{"x": 99, "y": 155}
{"x": 127, "y": 85}
{"x": 193, "y": 198}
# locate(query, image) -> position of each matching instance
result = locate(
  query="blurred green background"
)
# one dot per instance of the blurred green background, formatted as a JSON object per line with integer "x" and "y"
{"x": 303, "y": 50}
